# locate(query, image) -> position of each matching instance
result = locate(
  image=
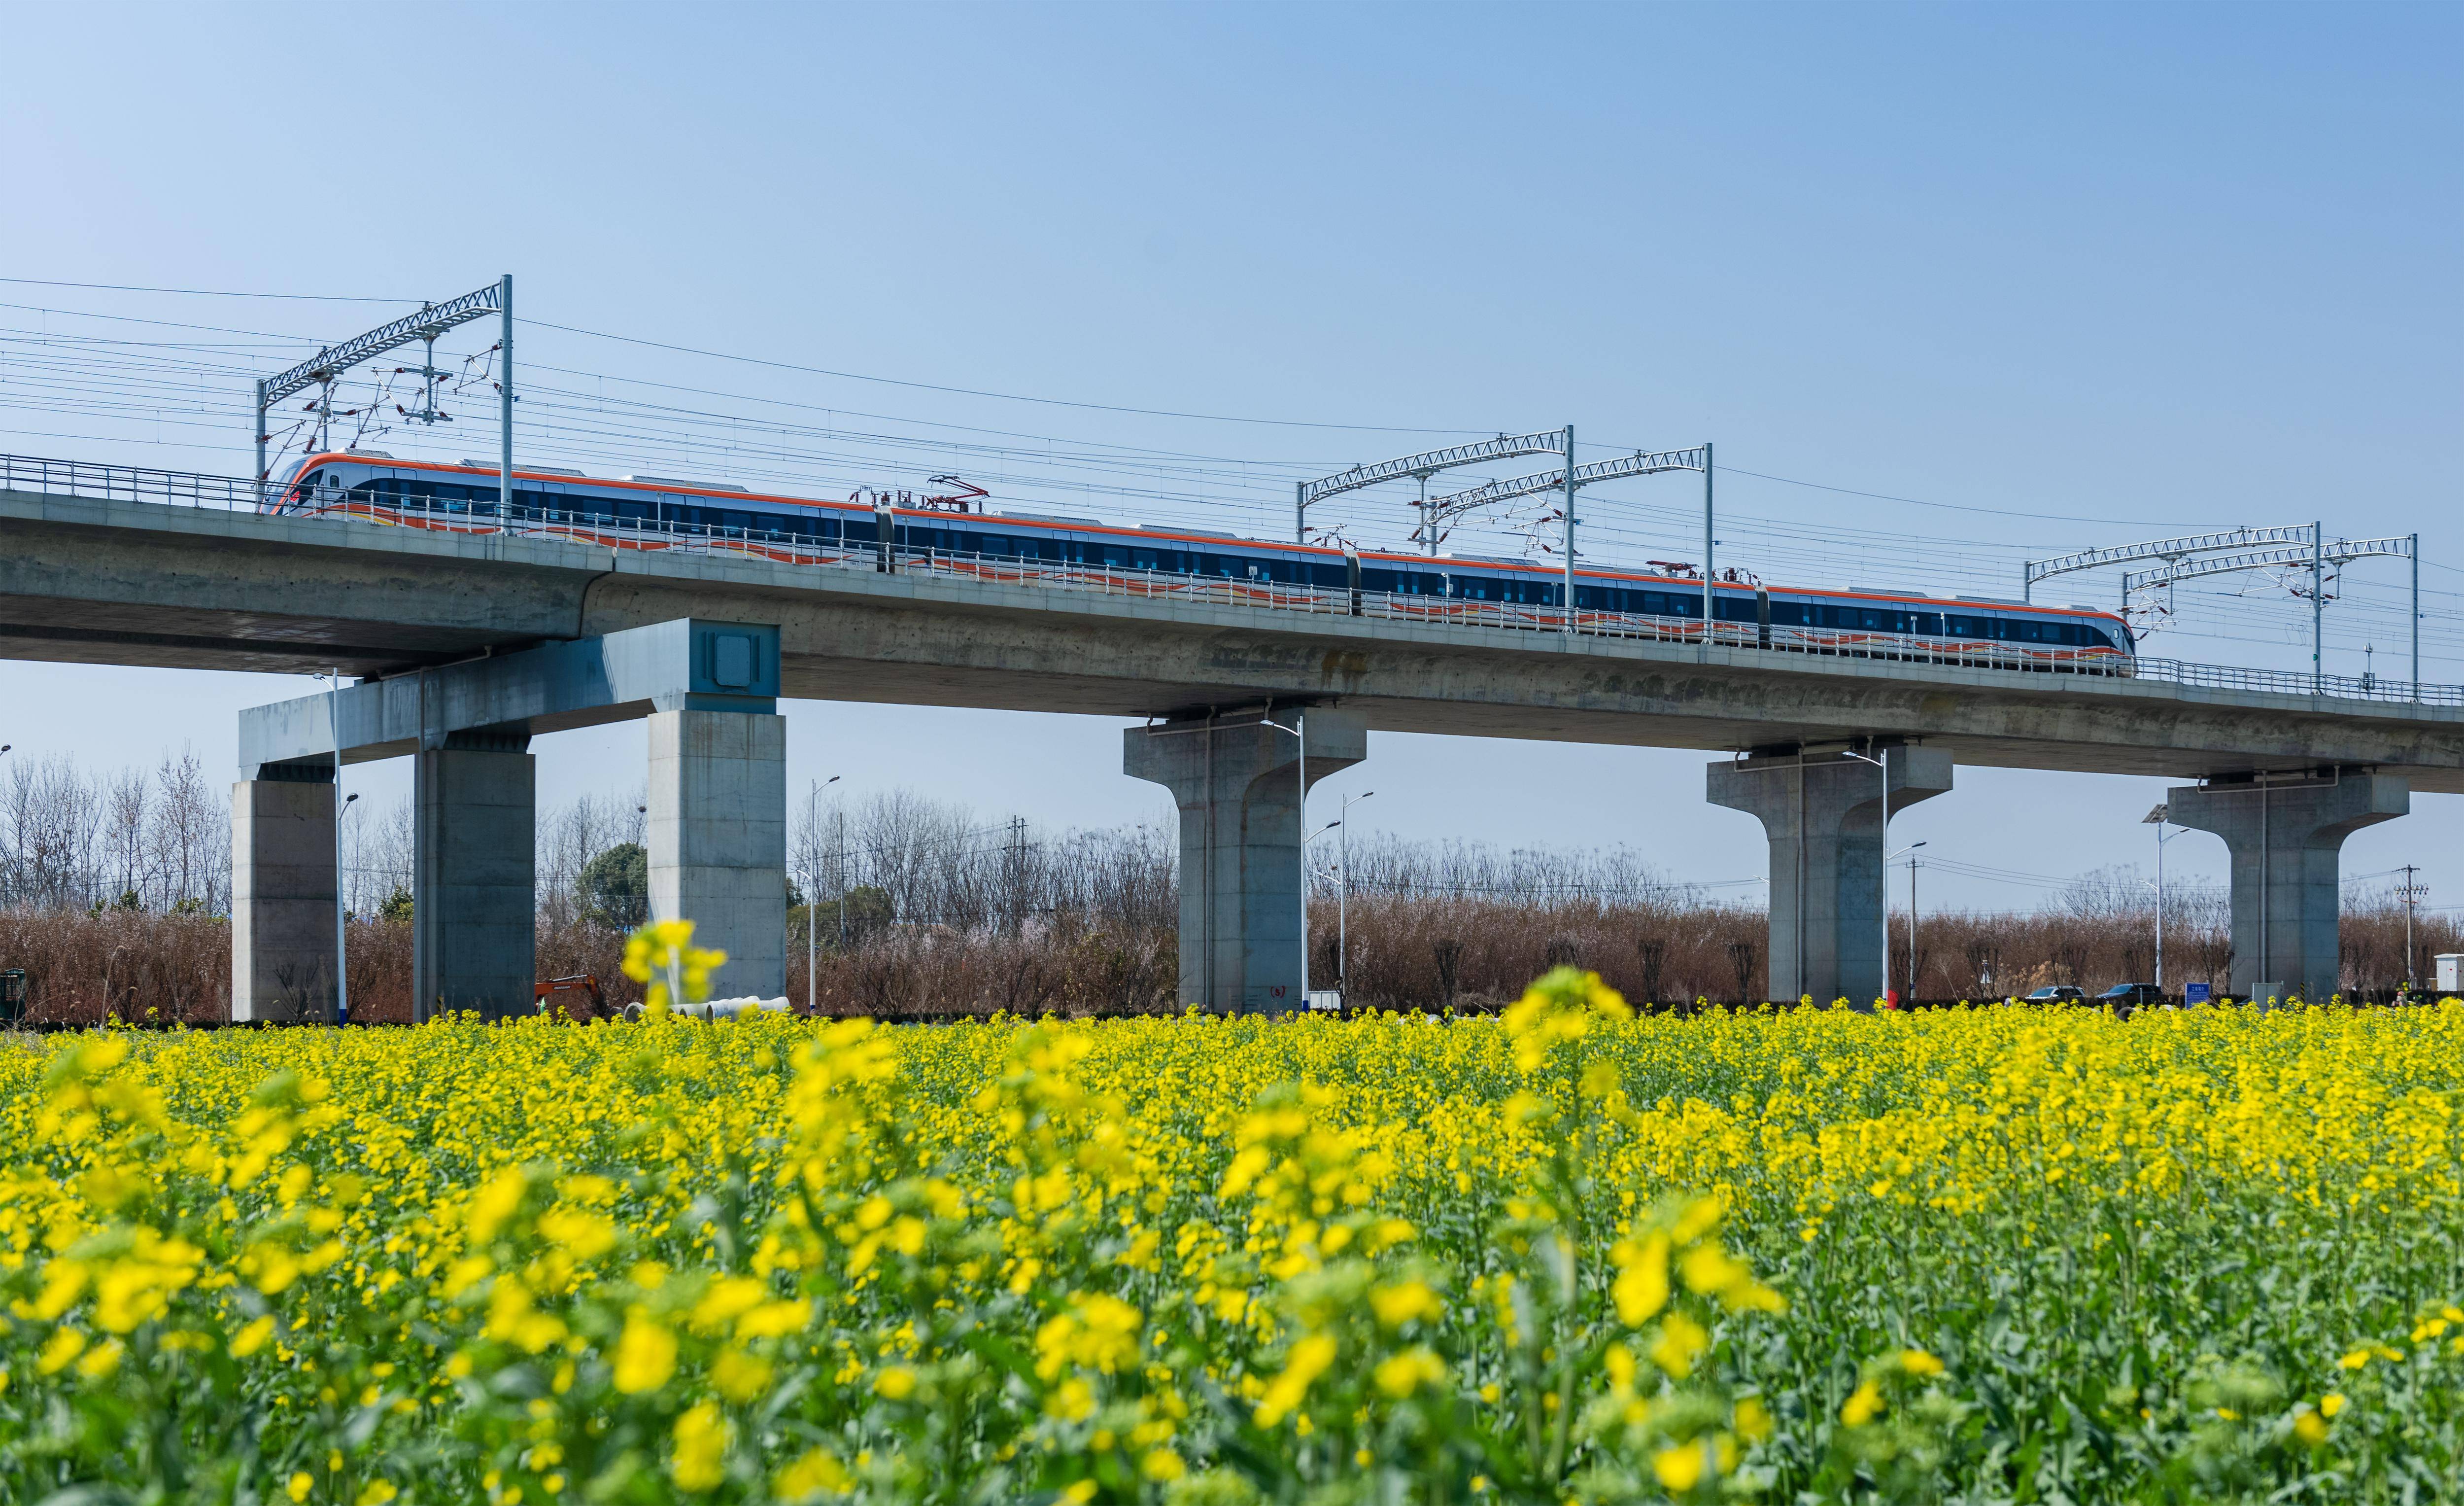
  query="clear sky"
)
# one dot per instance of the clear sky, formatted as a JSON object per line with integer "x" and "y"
{"x": 2071, "y": 274}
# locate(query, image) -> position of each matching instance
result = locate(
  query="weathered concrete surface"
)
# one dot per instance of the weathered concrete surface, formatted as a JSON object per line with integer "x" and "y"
{"x": 2286, "y": 841}
{"x": 718, "y": 840}
{"x": 1238, "y": 784}
{"x": 141, "y": 583}
{"x": 1824, "y": 815}
{"x": 476, "y": 885}
{"x": 282, "y": 896}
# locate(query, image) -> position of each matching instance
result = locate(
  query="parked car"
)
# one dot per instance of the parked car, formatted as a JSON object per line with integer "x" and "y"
{"x": 2058, "y": 993}
{"x": 2130, "y": 994}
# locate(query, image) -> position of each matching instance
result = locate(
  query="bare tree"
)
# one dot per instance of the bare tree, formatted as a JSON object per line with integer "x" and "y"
{"x": 189, "y": 838}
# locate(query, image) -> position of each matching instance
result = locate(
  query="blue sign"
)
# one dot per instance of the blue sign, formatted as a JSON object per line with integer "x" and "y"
{"x": 2194, "y": 993}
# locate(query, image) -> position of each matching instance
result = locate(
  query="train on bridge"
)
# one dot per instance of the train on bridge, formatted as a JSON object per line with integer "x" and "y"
{"x": 950, "y": 532}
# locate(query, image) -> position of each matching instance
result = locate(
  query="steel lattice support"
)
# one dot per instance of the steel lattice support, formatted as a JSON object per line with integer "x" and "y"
{"x": 2316, "y": 554}
{"x": 1640, "y": 463}
{"x": 430, "y": 321}
{"x": 1419, "y": 467}
{"x": 2169, "y": 550}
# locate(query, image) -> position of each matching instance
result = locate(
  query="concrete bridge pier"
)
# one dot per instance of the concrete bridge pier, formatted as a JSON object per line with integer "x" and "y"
{"x": 474, "y": 879}
{"x": 1823, "y": 814}
{"x": 2286, "y": 836}
{"x": 719, "y": 839}
{"x": 1237, "y": 782}
{"x": 282, "y": 892}
{"x": 717, "y": 827}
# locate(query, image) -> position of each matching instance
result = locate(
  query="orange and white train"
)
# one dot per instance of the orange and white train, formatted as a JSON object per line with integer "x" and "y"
{"x": 948, "y": 531}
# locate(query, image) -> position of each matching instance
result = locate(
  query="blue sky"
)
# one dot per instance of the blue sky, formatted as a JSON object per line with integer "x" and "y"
{"x": 2077, "y": 274}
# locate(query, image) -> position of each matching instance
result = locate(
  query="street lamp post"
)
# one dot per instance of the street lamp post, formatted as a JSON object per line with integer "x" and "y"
{"x": 1343, "y": 893}
{"x": 812, "y": 947}
{"x": 2158, "y": 818}
{"x": 333, "y": 678}
{"x": 1343, "y": 885}
{"x": 1300, "y": 761}
{"x": 1884, "y": 765}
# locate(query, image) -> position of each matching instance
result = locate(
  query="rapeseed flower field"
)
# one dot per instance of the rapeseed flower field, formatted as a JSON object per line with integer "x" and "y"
{"x": 1567, "y": 1254}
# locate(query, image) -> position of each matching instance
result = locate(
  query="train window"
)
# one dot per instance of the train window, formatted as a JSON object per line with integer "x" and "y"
{"x": 633, "y": 512}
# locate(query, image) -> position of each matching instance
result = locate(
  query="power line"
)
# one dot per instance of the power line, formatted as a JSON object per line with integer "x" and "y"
{"x": 1007, "y": 397}
{"x": 204, "y": 293}
{"x": 1917, "y": 501}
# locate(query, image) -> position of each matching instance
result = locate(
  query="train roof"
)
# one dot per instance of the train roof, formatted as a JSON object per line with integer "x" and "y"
{"x": 728, "y": 491}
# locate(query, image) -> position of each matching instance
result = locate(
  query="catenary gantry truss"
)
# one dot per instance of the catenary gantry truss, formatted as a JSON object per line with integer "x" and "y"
{"x": 2165, "y": 550}
{"x": 1438, "y": 509}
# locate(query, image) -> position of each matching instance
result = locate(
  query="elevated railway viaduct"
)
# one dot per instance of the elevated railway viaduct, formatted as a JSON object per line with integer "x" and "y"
{"x": 468, "y": 645}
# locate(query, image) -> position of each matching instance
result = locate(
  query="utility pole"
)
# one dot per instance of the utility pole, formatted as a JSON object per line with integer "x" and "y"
{"x": 1912, "y": 924}
{"x": 2416, "y": 552}
{"x": 260, "y": 457}
{"x": 2318, "y": 609}
{"x": 505, "y": 406}
{"x": 1017, "y": 875}
{"x": 2412, "y": 893}
{"x": 1708, "y": 543}
{"x": 1570, "y": 529}
{"x": 1910, "y": 849}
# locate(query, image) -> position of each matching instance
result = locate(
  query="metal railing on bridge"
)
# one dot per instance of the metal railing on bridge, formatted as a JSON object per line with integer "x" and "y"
{"x": 128, "y": 483}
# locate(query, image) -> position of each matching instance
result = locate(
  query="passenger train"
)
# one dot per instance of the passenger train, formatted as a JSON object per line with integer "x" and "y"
{"x": 950, "y": 531}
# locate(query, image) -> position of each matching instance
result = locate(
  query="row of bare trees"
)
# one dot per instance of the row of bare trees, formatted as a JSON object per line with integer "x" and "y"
{"x": 136, "y": 839}
{"x": 918, "y": 907}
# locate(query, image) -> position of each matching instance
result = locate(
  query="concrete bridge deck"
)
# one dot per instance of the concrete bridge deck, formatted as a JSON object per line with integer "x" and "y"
{"x": 88, "y": 580}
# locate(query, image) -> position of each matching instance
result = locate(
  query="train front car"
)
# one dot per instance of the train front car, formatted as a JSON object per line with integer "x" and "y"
{"x": 1964, "y": 628}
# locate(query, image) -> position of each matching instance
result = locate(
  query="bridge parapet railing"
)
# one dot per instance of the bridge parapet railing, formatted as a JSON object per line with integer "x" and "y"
{"x": 134, "y": 483}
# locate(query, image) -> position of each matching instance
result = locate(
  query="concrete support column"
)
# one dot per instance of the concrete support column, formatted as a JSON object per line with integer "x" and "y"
{"x": 2286, "y": 837}
{"x": 282, "y": 894}
{"x": 475, "y": 886}
{"x": 719, "y": 839}
{"x": 1239, "y": 792}
{"x": 1823, "y": 814}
